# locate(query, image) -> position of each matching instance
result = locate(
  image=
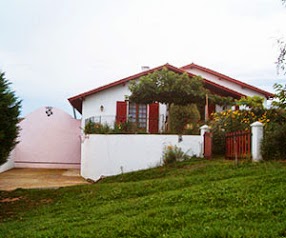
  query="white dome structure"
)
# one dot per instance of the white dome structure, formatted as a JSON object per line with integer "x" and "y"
{"x": 48, "y": 138}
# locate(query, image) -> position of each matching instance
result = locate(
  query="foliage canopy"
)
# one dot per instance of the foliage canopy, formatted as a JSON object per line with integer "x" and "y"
{"x": 254, "y": 102}
{"x": 280, "y": 96}
{"x": 167, "y": 87}
{"x": 10, "y": 109}
{"x": 281, "y": 65}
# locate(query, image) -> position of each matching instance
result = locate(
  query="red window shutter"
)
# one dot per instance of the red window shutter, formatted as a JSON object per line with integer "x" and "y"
{"x": 154, "y": 118}
{"x": 121, "y": 110}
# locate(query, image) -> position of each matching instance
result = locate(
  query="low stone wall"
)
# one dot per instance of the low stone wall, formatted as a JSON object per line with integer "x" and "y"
{"x": 105, "y": 155}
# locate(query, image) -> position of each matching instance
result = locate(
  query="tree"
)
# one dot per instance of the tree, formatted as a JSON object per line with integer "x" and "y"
{"x": 282, "y": 54}
{"x": 254, "y": 102}
{"x": 9, "y": 112}
{"x": 281, "y": 65}
{"x": 281, "y": 62}
{"x": 280, "y": 95}
{"x": 167, "y": 87}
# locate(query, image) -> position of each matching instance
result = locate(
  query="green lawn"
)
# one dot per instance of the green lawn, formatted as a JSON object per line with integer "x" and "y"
{"x": 194, "y": 199}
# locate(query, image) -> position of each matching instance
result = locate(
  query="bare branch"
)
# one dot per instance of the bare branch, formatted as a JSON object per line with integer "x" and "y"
{"x": 282, "y": 55}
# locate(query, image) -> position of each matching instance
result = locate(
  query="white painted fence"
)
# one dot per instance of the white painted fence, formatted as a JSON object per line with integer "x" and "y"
{"x": 105, "y": 155}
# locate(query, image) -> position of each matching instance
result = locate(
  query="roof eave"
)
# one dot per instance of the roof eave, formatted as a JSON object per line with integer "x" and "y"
{"x": 268, "y": 95}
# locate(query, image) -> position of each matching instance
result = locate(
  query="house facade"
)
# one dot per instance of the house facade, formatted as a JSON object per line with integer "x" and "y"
{"x": 109, "y": 104}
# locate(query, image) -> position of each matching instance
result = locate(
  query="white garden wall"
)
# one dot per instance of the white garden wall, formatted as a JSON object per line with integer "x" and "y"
{"x": 105, "y": 155}
{"x": 9, "y": 163}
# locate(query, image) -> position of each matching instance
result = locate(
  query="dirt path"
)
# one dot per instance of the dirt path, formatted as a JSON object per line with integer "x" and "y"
{"x": 39, "y": 178}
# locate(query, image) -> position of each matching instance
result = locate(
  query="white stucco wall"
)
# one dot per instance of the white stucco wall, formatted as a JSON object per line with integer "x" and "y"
{"x": 48, "y": 141}
{"x": 108, "y": 98}
{"x": 105, "y": 155}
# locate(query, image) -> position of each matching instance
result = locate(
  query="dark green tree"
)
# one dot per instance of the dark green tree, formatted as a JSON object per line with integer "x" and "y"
{"x": 9, "y": 112}
{"x": 167, "y": 87}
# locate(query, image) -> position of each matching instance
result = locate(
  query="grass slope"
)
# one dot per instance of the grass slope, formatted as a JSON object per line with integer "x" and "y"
{"x": 192, "y": 199}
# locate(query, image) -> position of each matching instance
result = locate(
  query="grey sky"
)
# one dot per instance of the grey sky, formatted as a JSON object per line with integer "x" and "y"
{"x": 54, "y": 49}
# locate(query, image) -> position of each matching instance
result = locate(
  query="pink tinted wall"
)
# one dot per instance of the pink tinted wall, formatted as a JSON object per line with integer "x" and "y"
{"x": 49, "y": 138}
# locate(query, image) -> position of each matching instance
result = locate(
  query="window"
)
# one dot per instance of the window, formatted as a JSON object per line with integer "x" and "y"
{"x": 138, "y": 114}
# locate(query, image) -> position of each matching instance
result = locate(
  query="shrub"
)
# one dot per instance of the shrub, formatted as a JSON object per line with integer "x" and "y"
{"x": 128, "y": 128}
{"x": 172, "y": 154}
{"x": 218, "y": 141}
{"x": 184, "y": 119}
{"x": 119, "y": 128}
{"x": 122, "y": 128}
{"x": 274, "y": 143}
{"x": 96, "y": 128}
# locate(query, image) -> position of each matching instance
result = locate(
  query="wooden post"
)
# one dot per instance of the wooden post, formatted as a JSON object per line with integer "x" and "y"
{"x": 203, "y": 129}
{"x": 207, "y": 108}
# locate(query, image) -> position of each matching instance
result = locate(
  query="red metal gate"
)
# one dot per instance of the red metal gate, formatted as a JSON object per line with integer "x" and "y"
{"x": 238, "y": 145}
{"x": 208, "y": 145}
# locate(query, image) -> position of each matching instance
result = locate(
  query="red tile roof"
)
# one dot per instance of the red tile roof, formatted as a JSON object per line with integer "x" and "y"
{"x": 76, "y": 101}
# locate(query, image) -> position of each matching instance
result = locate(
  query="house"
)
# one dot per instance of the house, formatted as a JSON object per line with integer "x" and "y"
{"x": 109, "y": 103}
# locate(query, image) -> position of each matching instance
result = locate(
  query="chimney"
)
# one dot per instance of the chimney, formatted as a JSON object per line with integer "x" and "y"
{"x": 145, "y": 68}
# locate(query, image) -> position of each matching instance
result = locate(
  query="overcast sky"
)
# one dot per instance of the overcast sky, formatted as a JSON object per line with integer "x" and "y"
{"x": 54, "y": 49}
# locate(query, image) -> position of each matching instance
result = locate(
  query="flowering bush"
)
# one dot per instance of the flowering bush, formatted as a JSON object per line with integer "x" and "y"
{"x": 229, "y": 121}
{"x": 274, "y": 121}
